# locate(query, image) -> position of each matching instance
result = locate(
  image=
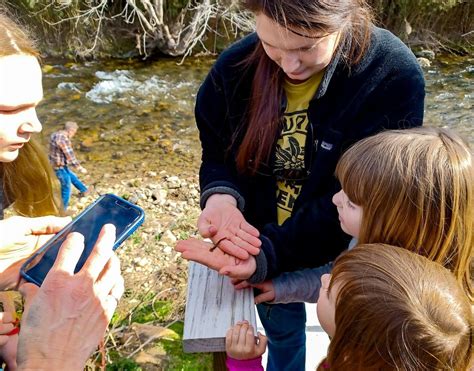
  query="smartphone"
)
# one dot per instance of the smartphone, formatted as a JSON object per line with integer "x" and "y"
{"x": 108, "y": 208}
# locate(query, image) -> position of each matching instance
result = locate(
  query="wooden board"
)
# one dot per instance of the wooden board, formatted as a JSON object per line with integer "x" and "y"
{"x": 212, "y": 307}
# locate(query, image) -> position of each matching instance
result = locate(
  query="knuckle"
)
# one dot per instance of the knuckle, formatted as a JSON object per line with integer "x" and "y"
{"x": 80, "y": 293}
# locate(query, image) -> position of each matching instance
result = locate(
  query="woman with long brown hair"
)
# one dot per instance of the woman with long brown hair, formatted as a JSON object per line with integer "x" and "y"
{"x": 27, "y": 180}
{"x": 274, "y": 115}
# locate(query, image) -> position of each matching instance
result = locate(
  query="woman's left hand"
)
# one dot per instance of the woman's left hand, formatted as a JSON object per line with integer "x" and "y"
{"x": 222, "y": 222}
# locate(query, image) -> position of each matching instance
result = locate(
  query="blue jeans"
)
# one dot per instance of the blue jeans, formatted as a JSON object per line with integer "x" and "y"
{"x": 285, "y": 326}
{"x": 66, "y": 177}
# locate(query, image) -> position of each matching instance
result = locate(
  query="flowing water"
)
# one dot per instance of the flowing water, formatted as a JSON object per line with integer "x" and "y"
{"x": 137, "y": 116}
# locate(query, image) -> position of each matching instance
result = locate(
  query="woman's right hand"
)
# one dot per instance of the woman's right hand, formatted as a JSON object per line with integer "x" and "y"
{"x": 222, "y": 221}
{"x": 214, "y": 258}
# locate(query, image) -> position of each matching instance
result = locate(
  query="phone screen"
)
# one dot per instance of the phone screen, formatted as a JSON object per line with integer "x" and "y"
{"x": 107, "y": 209}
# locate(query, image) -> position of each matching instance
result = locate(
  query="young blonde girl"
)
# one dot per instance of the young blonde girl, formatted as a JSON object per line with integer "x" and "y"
{"x": 26, "y": 178}
{"x": 26, "y": 181}
{"x": 387, "y": 308}
{"x": 416, "y": 190}
{"x": 412, "y": 189}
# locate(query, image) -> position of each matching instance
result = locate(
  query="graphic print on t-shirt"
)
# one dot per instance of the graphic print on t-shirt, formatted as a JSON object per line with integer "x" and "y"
{"x": 289, "y": 161}
{"x": 289, "y": 165}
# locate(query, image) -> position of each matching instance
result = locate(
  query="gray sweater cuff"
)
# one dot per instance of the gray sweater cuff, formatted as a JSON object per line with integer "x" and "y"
{"x": 222, "y": 189}
{"x": 299, "y": 286}
{"x": 261, "y": 271}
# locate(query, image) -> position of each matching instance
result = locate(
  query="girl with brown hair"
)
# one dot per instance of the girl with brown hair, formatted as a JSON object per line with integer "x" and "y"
{"x": 274, "y": 114}
{"x": 387, "y": 308}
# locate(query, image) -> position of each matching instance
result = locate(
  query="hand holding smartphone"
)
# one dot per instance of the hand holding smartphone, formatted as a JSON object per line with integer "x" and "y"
{"x": 108, "y": 208}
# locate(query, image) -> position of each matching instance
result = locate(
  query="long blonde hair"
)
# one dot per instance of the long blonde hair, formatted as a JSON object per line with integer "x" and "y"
{"x": 28, "y": 182}
{"x": 416, "y": 189}
{"x": 397, "y": 310}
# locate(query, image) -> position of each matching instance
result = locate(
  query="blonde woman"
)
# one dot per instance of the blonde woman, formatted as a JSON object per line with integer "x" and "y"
{"x": 26, "y": 183}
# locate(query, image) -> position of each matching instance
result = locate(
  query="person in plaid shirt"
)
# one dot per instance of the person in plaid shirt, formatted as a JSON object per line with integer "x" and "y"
{"x": 61, "y": 156}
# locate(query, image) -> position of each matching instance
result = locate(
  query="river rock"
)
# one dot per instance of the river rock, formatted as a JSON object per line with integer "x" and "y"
{"x": 168, "y": 238}
{"x": 159, "y": 196}
{"x": 426, "y": 53}
{"x": 173, "y": 182}
{"x": 424, "y": 62}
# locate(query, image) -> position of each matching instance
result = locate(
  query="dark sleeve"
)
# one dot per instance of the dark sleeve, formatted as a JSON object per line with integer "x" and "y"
{"x": 217, "y": 172}
{"x": 312, "y": 236}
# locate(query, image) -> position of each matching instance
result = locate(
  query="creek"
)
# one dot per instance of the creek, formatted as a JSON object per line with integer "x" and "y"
{"x": 137, "y": 116}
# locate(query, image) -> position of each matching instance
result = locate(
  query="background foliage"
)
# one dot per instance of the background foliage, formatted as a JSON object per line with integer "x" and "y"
{"x": 94, "y": 28}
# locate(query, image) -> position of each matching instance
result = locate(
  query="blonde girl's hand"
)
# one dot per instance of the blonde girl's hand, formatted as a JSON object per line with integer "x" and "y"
{"x": 240, "y": 342}
{"x": 213, "y": 257}
{"x": 222, "y": 221}
{"x": 20, "y": 236}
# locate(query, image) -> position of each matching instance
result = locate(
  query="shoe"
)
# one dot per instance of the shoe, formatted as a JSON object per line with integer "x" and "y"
{"x": 89, "y": 191}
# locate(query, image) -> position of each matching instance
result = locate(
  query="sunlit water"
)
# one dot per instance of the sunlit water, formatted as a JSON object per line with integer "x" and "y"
{"x": 138, "y": 116}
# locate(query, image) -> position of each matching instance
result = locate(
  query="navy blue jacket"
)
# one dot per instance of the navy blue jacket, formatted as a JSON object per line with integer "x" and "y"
{"x": 384, "y": 91}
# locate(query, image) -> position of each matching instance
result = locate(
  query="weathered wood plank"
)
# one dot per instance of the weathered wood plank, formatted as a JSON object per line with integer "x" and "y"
{"x": 212, "y": 307}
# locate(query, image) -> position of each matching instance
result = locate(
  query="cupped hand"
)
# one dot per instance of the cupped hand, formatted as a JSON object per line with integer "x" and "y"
{"x": 240, "y": 342}
{"x": 221, "y": 220}
{"x": 65, "y": 318}
{"x": 217, "y": 259}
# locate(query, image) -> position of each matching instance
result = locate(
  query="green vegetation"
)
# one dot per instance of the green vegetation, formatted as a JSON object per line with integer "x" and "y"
{"x": 437, "y": 24}
{"x": 164, "y": 343}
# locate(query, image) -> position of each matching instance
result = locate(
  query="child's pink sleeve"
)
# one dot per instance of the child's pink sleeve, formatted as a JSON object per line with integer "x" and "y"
{"x": 244, "y": 364}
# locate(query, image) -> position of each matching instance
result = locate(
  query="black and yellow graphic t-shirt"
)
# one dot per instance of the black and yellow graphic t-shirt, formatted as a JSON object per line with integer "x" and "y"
{"x": 290, "y": 148}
